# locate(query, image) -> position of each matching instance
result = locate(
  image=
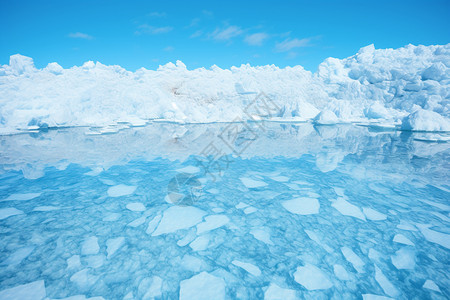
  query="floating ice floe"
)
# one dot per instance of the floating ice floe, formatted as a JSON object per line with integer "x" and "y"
{"x": 274, "y": 292}
{"x": 73, "y": 262}
{"x": 312, "y": 278}
{"x": 19, "y": 255}
{"x": 80, "y": 297}
{"x": 385, "y": 284}
{"x": 400, "y": 238}
{"x": 280, "y": 178}
{"x": 9, "y": 212}
{"x": 177, "y": 217}
{"x": 340, "y": 272}
{"x": 135, "y": 206}
{"x": 189, "y": 237}
{"x": 137, "y": 222}
{"x": 241, "y": 205}
{"x": 250, "y": 268}
{"x": 441, "y": 206}
{"x": 249, "y": 210}
{"x": 404, "y": 258}
{"x": 95, "y": 261}
{"x": 84, "y": 279}
{"x": 433, "y": 236}
{"x": 375, "y": 297}
{"x": 153, "y": 223}
{"x": 373, "y": 215}
{"x": 406, "y": 226}
{"x": 112, "y": 245}
{"x": 302, "y": 206}
{"x": 192, "y": 263}
{"x": 212, "y": 222}
{"x": 203, "y": 286}
{"x": 200, "y": 243}
{"x": 441, "y": 216}
{"x": 90, "y": 246}
{"x": 121, "y": 190}
{"x": 46, "y": 208}
{"x": 431, "y": 285}
{"x": 251, "y": 183}
{"x": 30, "y": 291}
{"x": 348, "y": 209}
{"x": 262, "y": 235}
{"x": 354, "y": 259}
{"x": 111, "y": 217}
{"x": 21, "y": 197}
{"x": 313, "y": 236}
{"x": 150, "y": 287}
{"x": 189, "y": 170}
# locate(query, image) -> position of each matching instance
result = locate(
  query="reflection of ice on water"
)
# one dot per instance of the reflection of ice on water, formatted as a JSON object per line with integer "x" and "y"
{"x": 313, "y": 211}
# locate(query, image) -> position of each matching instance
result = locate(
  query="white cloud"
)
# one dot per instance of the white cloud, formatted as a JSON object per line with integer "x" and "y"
{"x": 256, "y": 39}
{"x": 194, "y": 22}
{"x": 169, "y": 48}
{"x": 289, "y": 44}
{"x": 80, "y": 35}
{"x": 226, "y": 33}
{"x": 147, "y": 29}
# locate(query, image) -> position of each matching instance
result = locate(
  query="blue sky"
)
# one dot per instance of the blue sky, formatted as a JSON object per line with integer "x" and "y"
{"x": 137, "y": 34}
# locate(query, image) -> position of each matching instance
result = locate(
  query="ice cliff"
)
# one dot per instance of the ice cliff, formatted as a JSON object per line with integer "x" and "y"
{"x": 407, "y": 88}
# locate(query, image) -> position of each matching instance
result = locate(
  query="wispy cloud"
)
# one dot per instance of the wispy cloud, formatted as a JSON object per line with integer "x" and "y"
{"x": 169, "y": 48}
{"x": 80, "y": 35}
{"x": 226, "y": 34}
{"x": 147, "y": 29}
{"x": 289, "y": 44}
{"x": 194, "y": 22}
{"x": 207, "y": 13}
{"x": 196, "y": 34}
{"x": 256, "y": 39}
{"x": 156, "y": 14}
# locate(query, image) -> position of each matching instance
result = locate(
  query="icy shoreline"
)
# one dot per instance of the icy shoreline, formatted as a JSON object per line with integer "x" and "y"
{"x": 32, "y": 153}
{"x": 406, "y": 88}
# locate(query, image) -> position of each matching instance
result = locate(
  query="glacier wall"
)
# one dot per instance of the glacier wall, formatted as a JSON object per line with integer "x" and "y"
{"x": 407, "y": 88}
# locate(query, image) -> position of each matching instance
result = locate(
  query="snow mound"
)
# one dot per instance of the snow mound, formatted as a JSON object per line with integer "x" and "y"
{"x": 388, "y": 85}
{"x": 326, "y": 117}
{"x": 424, "y": 120}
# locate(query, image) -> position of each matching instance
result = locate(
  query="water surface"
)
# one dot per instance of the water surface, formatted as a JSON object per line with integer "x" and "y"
{"x": 243, "y": 211}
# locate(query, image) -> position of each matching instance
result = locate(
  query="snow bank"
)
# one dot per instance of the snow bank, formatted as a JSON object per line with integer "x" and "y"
{"x": 425, "y": 120}
{"x": 385, "y": 85}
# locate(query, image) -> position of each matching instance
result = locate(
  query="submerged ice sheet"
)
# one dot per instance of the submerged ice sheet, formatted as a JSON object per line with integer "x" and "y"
{"x": 407, "y": 88}
{"x": 304, "y": 212}
{"x": 30, "y": 291}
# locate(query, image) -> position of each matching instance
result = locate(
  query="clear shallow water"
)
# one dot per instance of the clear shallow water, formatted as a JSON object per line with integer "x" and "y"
{"x": 302, "y": 211}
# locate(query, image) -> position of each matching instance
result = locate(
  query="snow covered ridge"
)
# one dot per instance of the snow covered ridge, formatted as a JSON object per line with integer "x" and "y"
{"x": 407, "y": 87}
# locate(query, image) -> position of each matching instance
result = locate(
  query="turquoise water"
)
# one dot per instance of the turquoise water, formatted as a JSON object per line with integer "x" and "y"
{"x": 283, "y": 211}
